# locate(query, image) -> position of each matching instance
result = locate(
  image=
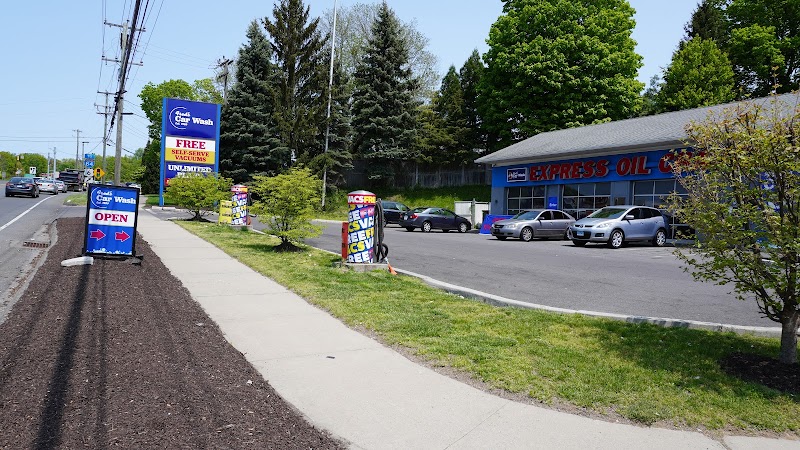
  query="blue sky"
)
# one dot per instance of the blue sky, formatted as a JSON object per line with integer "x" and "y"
{"x": 51, "y": 52}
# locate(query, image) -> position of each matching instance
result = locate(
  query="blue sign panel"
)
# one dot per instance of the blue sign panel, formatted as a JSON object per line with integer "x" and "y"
{"x": 111, "y": 217}
{"x": 517, "y": 174}
{"x": 88, "y": 156}
{"x": 191, "y": 119}
{"x": 89, "y": 164}
{"x": 629, "y": 167}
{"x": 552, "y": 202}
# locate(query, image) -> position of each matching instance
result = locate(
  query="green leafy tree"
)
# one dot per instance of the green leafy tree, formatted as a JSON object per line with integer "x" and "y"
{"x": 301, "y": 81}
{"x": 8, "y": 164}
{"x": 250, "y": 142}
{"x": 151, "y": 163}
{"x": 764, "y": 44}
{"x": 432, "y": 139}
{"x": 700, "y": 74}
{"x": 131, "y": 167}
{"x": 288, "y": 201}
{"x": 199, "y": 193}
{"x": 744, "y": 203}
{"x": 555, "y": 64}
{"x": 650, "y": 104}
{"x": 383, "y": 104}
{"x": 28, "y": 160}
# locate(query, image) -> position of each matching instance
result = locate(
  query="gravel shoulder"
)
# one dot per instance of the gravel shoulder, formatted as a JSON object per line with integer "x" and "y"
{"x": 119, "y": 355}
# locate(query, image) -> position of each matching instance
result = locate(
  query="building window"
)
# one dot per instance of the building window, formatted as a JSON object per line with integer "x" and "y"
{"x": 524, "y": 197}
{"x": 580, "y": 200}
{"x": 654, "y": 194}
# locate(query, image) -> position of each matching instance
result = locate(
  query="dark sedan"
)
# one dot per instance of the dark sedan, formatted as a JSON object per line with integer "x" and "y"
{"x": 428, "y": 219}
{"x": 22, "y": 186}
{"x": 393, "y": 211}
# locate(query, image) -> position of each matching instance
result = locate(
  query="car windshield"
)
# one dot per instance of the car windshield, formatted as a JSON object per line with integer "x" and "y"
{"x": 527, "y": 215}
{"x": 608, "y": 213}
{"x": 419, "y": 210}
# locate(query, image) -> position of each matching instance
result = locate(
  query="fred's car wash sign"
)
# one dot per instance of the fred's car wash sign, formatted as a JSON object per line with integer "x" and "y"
{"x": 111, "y": 216}
{"x": 189, "y": 140}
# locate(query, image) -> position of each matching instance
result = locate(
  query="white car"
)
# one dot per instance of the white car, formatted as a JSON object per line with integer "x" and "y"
{"x": 62, "y": 187}
{"x": 46, "y": 185}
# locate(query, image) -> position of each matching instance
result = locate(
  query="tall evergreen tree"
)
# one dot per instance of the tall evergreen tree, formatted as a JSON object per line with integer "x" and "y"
{"x": 470, "y": 75}
{"x": 707, "y": 22}
{"x": 338, "y": 158}
{"x": 302, "y": 77}
{"x": 449, "y": 105}
{"x": 249, "y": 138}
{"x": 554, "y": 64}
{"x": 383, "y": 105}
{"x": 700, "y": 74}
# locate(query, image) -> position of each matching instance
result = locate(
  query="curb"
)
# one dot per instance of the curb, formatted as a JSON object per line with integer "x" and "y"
{"x": 497, "y": 300}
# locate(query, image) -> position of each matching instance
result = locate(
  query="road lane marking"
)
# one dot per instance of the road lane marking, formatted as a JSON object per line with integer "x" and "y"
{"x": 25, "y": 212}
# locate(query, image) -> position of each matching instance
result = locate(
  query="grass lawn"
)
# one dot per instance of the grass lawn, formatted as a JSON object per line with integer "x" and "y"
{"x": 77, "y": 199}
{"x": 645, "y": 373}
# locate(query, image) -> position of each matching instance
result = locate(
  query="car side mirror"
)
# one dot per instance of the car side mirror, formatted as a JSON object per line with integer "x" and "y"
{"x": 629, "y": 217}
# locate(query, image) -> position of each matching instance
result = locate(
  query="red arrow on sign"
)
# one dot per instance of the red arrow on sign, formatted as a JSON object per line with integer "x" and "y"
{"x": 121, "y": 236}
{"x": 97, "y": 234}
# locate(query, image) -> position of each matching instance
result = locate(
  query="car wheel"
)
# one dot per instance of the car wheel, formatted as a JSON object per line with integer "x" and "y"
{"x": 578, "y": 243}
{"x": 617, "y": 239}
{"x": 660, "y": 238}
{"x": 409, "y": 228}
{"x": 462, "y": 227}
{"x": 501, "y": 238}
{"x": 526, "y": 234}
{"x": 426, "y": 227}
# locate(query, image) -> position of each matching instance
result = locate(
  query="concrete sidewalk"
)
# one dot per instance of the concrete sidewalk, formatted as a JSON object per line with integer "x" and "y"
{"x": 367, "y": 394}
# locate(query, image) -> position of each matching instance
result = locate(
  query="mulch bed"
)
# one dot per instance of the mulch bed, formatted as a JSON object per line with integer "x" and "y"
{"x": 119, "y": 355}
{"x": 763, "y": 370}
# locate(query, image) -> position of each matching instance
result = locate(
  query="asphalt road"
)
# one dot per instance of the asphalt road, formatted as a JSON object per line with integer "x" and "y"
{"x": 635, "y": 280}
{"x": 25, "y": 219}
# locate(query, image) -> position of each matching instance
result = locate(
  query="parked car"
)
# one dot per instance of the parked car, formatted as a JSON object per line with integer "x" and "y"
{"x": 616, "y": 225}
{"x": 46, "y": 185}
{"x": 62, "y": 187}
{"x": 134, "y": 185}
{"x": 535, "y": 223}
{"x": 392, "y": 211}
{"x": 22, "y": 186}
{"x": 429, "y": 218}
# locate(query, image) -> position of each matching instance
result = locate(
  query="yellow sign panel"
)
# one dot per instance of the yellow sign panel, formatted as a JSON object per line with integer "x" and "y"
{"x": 225, "y": 211}
{"x": 99, "y": 173}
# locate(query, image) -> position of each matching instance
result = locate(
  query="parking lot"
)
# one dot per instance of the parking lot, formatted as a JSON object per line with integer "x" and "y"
{"x": 634, "y": 280}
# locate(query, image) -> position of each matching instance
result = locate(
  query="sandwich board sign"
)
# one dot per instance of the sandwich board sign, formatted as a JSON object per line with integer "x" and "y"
{"x": 111, "y": 217}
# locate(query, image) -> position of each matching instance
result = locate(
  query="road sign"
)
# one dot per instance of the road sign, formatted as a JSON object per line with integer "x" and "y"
{"x": 88, "y": 173}
{"x": 99, "y": 173}
{"x": 32, "y": 170}
{"x": 88, "y": 163}
{"x": 88, "y": 156}
{"x": 111, "y": 216}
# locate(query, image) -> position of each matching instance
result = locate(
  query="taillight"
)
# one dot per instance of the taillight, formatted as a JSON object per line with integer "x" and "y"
{"x": 413, "y": 216}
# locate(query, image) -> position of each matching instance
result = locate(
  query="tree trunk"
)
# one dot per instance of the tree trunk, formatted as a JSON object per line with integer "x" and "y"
{"x": 789, "y": 323}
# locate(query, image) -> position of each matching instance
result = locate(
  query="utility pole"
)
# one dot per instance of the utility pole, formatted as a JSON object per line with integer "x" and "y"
{"x": 224, "y": 64}
{"x": 77, "y": 147}
{"x": 120, "y": 103}
{"x": 105, "y": 114}
{"x": 328, "y": 120}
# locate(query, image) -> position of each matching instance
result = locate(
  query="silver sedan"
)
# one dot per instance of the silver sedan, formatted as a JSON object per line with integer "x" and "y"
{"x": 536, "y": 223}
